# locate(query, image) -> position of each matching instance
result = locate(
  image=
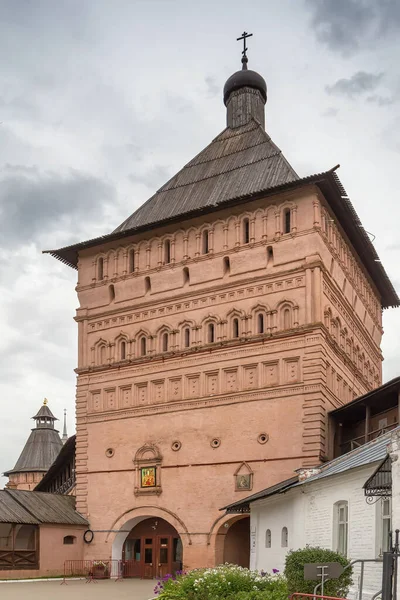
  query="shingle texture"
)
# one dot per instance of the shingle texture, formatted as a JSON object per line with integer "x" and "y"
{"x": 40, "y": 451}
{"x": 18, "y": 506}
{"x": 238, "y": 162}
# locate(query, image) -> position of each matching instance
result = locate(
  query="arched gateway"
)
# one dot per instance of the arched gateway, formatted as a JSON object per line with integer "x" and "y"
{"x": 149, "y": 547}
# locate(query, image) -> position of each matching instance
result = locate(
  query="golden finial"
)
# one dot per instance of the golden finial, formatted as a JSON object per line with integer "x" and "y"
{"x": 45, "y": 401}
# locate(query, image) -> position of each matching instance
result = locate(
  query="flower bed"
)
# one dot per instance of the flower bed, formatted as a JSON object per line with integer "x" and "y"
{"x": 226, "y": 582}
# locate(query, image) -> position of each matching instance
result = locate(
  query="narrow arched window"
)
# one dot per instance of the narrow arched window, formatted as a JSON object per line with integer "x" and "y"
{"x": 211, "y": 333}
{"x": 147, "y": 285}
{"x": 286, "y": 319}
{"x": 100, "y": 268}
{"x": 341, "y": 526}
{"x": 143, "y": 346}
{"x": 186, "y": 337}
{"x": 268, "y": 538}
{"x": 284, "y": 537}
{"x": 235, "y": 328}
{"x": 186, "y": 275}
{"x": 270, "y": 256}
{"x": 260, "y": 323}
{"x": 246, "y": 231}
{"x": 103, "y": 355}
{"x": 165, "y": 342}
{"x": 286, "y": 221}
{"x": 131, "y": 260}
{"x": 205, "y": 248}
{"x": 111, "y": 292}
{"x": 167, "y": 252}
{"x": 227, "y": 265}
{"x": 123, "y": 350}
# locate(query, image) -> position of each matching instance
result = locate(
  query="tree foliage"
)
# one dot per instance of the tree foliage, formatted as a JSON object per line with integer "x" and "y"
{"x": 294, "y": 571}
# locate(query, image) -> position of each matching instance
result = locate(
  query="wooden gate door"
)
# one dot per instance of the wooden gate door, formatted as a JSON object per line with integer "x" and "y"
{"x": 149, "y": 560}
{"x": 164, "y": 555}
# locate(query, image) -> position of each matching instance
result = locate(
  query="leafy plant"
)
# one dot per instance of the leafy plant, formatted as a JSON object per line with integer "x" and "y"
{"x": 222, "y": 583}
{"x": 294, "y": 571}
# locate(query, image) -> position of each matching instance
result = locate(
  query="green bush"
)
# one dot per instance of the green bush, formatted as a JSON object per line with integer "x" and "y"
{"x": 294, "y": 571}
{"x": 222, "y": 583}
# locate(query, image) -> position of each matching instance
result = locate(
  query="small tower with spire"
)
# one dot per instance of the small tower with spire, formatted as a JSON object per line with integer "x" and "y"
{"x": 39, "y": 452}
{"x": 65, "y": 434}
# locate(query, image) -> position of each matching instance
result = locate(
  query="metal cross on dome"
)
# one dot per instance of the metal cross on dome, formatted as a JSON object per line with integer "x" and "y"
{"x": 243, "y": 37}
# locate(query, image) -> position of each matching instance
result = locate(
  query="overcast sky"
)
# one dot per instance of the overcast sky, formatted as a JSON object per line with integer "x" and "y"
{"x": 101, "y": 102}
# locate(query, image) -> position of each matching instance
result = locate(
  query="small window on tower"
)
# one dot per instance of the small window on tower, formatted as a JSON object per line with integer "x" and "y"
{"x": 205, "y": 249}
{"x": 227, "y": 265}
{"x": 186, "y": 275}
{"x": 167, "y": 252}
{"x": 270, "y": 256}
{"x": 165, "y": 342}
{"x": 123, "y": 350}
{"x": 187, "y": 337}
{"x": 147, "y": 285}
{"x": 287, "y": 225}
{"x": 246, "y": 231}
{"x": 143, "y": 346}
{"x": 211, "y": 333}
{"x": 235, "y": 325}
{"x": 260, "y": 323}
{"x": 100, "y": 268}
{"x": 131, "y": 260}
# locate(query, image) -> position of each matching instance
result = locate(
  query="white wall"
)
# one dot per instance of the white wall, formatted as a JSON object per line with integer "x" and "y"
{"x": 308, "y": 512}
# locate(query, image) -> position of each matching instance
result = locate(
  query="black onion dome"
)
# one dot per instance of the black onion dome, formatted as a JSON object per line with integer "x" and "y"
{"x": 245, "y": 78}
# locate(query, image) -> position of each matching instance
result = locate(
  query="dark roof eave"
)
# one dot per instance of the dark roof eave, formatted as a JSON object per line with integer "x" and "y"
{"x": 278, "y": 488}
{"x": 331, "y": 187}
{"x": 27, "y": 470}
{"x": 391, "y": 385}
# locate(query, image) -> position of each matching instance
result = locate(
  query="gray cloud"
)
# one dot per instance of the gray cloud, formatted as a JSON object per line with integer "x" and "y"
{"x": 330, "y": 112}
{"x": 349, "y": 25}
{"x": 381, "y": 100}
{"x": 357, "y": 84}
{"x": 31, "y": 202}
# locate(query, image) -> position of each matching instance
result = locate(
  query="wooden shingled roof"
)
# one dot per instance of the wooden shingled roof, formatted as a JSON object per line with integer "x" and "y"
{"x": 20, "y": 506}
{"x": 42, "y": 446}
{"x": 240, "y": 165}
{"x": 238, "y": 162}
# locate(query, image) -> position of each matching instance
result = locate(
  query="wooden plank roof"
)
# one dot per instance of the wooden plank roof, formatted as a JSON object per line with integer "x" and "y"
{"x": 39, "y": 452}
{"x": 20, "y": 506}
{"x": 239, "y": 162}
{"x": 240, "y": 165}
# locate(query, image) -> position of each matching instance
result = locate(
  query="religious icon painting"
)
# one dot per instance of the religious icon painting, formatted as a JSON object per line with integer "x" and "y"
{"x": 148, "y": 477}
{"x": 243, "y": 481}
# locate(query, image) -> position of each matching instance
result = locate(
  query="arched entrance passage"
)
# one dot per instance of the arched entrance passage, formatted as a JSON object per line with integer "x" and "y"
{"x": 236, "y": 549}
{"x": 152, "y": 548}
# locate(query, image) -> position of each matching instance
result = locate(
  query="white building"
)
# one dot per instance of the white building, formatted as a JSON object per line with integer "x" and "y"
{"x": 327, "y": 507}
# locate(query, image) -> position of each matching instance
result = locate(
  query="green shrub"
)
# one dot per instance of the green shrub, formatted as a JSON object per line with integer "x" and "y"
{"x": 222, "y": 583}
{"x": 294, "y": 571}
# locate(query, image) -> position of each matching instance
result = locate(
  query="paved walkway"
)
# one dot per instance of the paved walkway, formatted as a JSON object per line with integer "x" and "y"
{"x": 128, "y": 589}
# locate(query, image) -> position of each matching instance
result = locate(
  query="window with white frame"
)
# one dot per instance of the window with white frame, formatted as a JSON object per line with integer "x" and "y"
{"x": 341, "y": 524}
{"x": 384, "y": 525}
{"x": 268, "y": 538}
{"x": 284, "y": 537}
